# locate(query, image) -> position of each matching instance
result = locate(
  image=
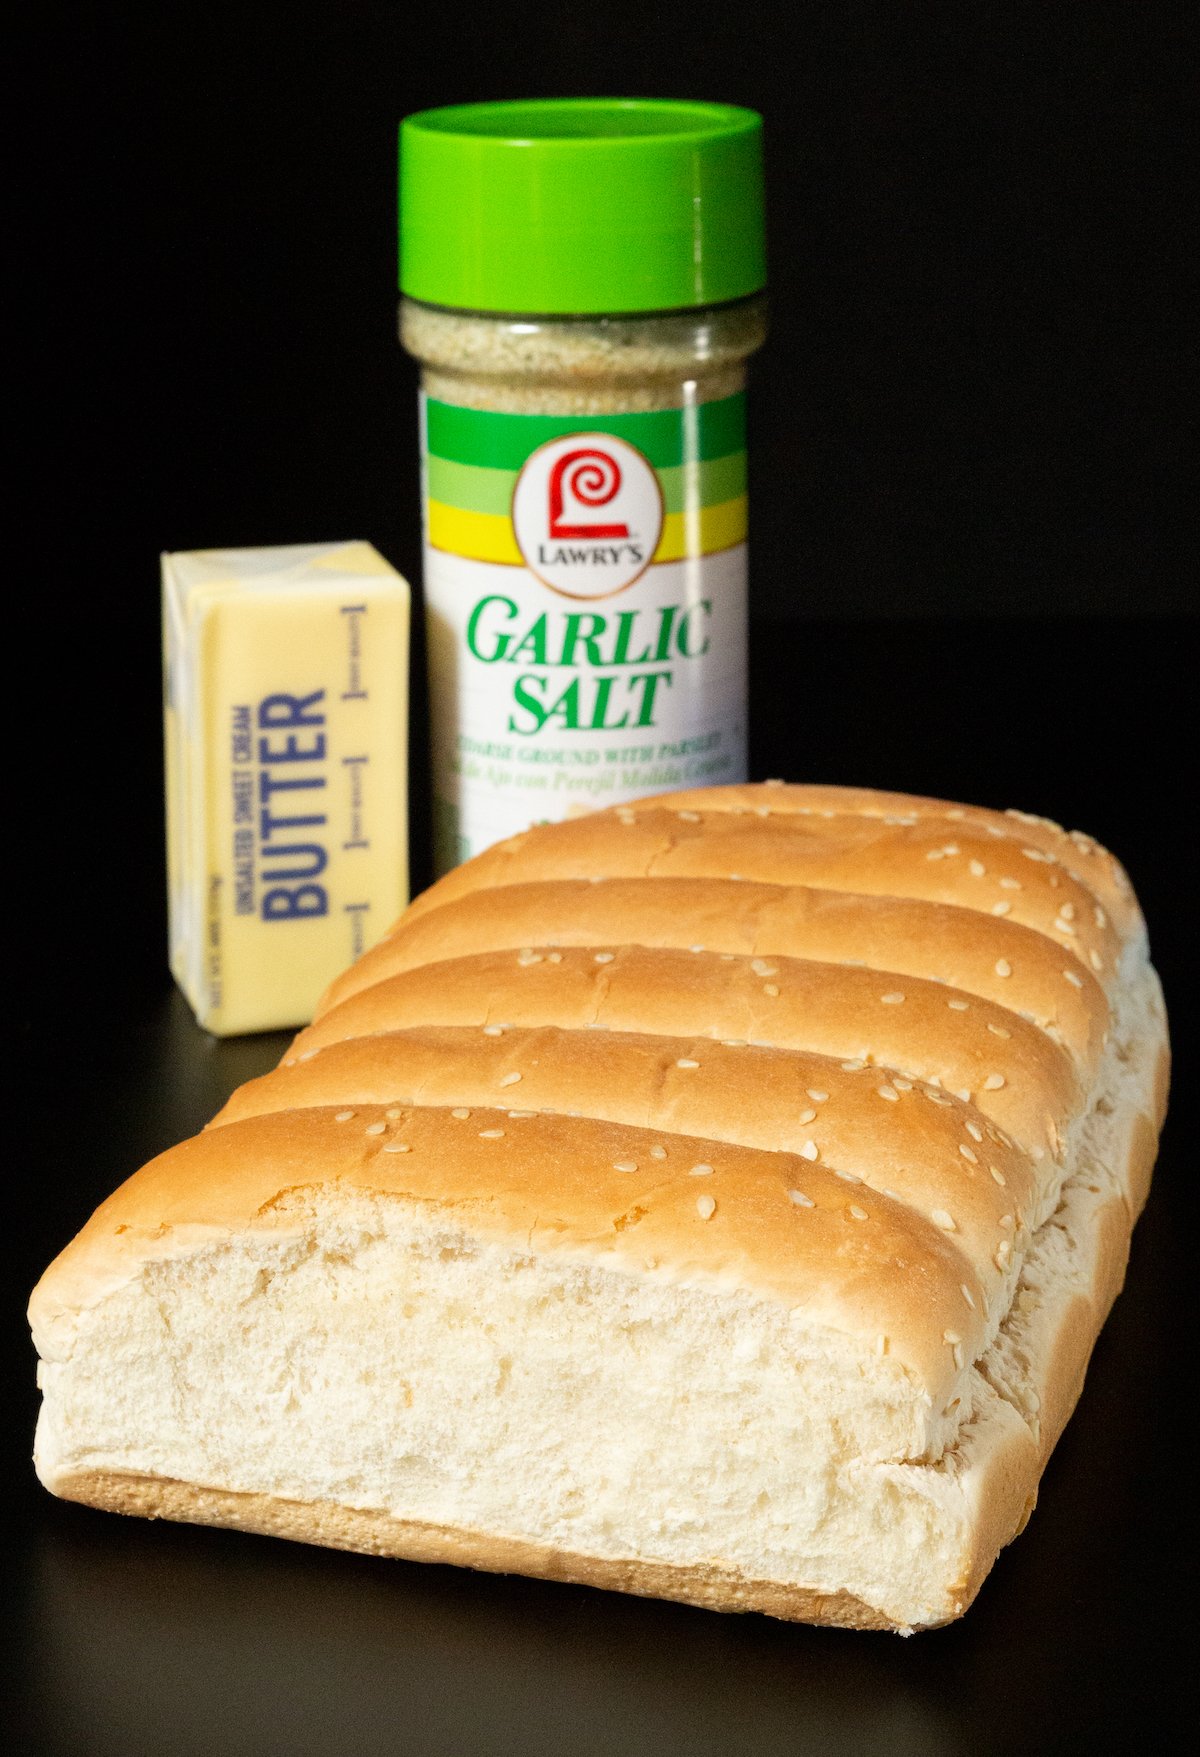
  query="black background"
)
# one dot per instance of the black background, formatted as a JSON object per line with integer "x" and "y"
{"x": 968, "y": 578}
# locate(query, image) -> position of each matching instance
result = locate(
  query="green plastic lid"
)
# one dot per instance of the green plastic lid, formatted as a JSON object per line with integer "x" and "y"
{"x": 579, "y": 206}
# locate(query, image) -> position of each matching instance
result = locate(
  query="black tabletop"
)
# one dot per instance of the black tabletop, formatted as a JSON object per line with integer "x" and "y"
{"x": 136, "y": 1638}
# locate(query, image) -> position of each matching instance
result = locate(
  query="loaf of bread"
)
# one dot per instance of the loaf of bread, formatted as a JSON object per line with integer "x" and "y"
{"x": 715, "y": 1198}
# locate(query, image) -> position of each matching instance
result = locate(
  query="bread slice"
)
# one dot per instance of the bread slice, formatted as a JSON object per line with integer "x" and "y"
{"x": 716, "y": 1198}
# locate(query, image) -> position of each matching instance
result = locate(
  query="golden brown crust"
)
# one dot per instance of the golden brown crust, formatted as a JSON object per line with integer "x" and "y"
{"x": 1101, "y": 871}
{"x": 1009, "y": 965}
{"x": 969, "y": 869}
{"x": 966, "y": 1045}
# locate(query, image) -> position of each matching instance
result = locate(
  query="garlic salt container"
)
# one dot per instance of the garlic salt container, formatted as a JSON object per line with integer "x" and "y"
{"x": 582, "y": 285}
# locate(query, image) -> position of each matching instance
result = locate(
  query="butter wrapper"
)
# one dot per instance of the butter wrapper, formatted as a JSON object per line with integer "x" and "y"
{"x": 286, "y": 735}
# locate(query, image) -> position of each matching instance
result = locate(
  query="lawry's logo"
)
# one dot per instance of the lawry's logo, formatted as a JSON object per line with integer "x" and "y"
{"x": 587, "y": 514}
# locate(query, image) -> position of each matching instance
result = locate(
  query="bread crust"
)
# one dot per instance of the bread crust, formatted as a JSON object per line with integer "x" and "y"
{"x": 827, "y": 1010}
{"x": 937, "y": 942}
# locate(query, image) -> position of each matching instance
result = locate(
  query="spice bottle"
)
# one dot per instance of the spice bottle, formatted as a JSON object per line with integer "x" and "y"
{"x": 582, "y": 285}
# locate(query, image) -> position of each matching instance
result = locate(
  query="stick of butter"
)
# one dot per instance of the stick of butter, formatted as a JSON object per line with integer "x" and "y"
{"x": 286, "y": 730}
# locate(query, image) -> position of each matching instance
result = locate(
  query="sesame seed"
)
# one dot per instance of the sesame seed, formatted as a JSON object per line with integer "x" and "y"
{"x": 690, "y": 817}
{"x": 809, "y": 1150}
{"x": 396, "y": 1147}
{"x": 658, "y": 1153}
{"x": 998, "y": 1175}
{"x": 701, "y": 1171}
{"x": 1006, "y": 1221}
{"x": 1101, "y": 917}
{"x": 1001, "y": 908}
{"x": 1095, "y": 960}
{"x": 946, "y": 1221}
{"x": 510, "y": 1079}
{"x": 894, "y": 999}
{"x": 971, "y": 1158}
{"x": 958, "y": 1006}
{"x": 951, "y": 1336}
{"x": 603, "y": 957}
{"x": 966, "y": 1293}
{"x": 771, "y": 988}
{"x": 375, "y": 1129}
{"x": 934, "y": 854}
{"x": 343, "y": 1116}
{"x": 624, "y": 1165}
{"x": 733, "y": 1043}
{"x": 958, "y": 1356}
{"x": 888, "y": 1092}
{"x": 975, "y": 1132}
{"x": 993, "y": 1082}
{"x": 807, "y": 1116}
{"x": 394, "y": 1114}
{"x": 939, "y": 1098}
{"x": 999, "y": 1031}
{"x": 554, "y": 957}
{"x": 706, "y": 1207}
{"x": 493, "y": 1031}
{"x": 977, "y": 869}
{"x": 521, "y": 1115}
{"x": 526, "y": 958}
{"x": 461, "y": 1114}
{"x": 817, "y": 1096}
{"x": 761, "y": 967}
{"x": 848, "y": 1177}
{"x": 1067, "y": 927}
{"x": 1003, "y": 1252}
{"x": 902, "y": 1085}
{"x": 800, "y": 1199}
{"x": 307, "y": 1055}
{"x": 686, "y": 1062}
{"x": 964, "y": 1092}
{"x": 1010, "y": 884}
{"x": 491, "y": 1134}
{"x": 856, "y": 1213}
{"x": 1003, "y": 967}
{"x": 1075, "y": 981}
{"x": 1067, "y": 911}
{"x": 695, "y": 948}
{"x": 853, "y": 1067}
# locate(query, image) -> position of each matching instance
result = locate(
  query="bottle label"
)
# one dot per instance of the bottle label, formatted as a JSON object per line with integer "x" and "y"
{"x": 585, "y": 591}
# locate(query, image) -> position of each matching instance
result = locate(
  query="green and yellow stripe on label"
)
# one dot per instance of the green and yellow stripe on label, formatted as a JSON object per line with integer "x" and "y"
{"x": 474, "y": 457}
